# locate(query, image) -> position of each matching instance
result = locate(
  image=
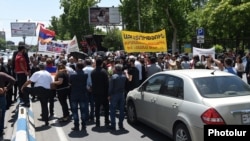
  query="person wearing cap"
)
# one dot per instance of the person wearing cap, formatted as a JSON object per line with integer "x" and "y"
{"x": 42, "y": 80}
{"x": 21, "y": 67}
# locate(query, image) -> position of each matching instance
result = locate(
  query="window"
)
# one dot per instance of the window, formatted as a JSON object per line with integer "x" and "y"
{"x": 172, "y": 86}
{"x": 221, "y": 86}
{"x": 153, "y": 84}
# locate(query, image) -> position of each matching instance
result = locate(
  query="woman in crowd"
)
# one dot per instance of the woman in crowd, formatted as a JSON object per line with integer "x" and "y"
{"x": 63, "y": 89}
{"x": 240, "y": 68}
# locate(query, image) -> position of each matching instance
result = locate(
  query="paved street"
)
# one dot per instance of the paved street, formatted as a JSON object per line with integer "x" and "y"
{"x": 62, "y": 131}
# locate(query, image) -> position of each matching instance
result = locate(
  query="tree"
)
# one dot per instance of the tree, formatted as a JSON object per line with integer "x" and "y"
{"x": 113, "y": 40}
{"x": 74, "y": 20}
{"x": 2, "y": 44}
{"x": 226, "y": 19}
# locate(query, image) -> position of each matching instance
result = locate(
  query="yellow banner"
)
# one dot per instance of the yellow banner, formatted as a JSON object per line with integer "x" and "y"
{"x": 144, "y": 42}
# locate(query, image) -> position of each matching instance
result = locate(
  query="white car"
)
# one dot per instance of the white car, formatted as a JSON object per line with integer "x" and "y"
{"x": 179, "y": 103}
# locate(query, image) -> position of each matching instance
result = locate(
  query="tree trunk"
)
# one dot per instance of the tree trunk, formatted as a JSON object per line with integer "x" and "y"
{"x": 174, "y": 31}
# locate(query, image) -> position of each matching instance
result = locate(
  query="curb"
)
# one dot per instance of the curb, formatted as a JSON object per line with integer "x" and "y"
{"x": 24, "y": 128}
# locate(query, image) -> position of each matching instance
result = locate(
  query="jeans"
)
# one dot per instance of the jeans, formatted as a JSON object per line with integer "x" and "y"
{"x": 117, "y": 101}
{"x": 2, "y": 112}
{"x": 91, "y": 103}
{"x": 74, "y": 108}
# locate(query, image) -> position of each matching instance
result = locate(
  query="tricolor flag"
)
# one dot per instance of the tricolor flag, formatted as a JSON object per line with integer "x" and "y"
{"x": 45, "y": 35}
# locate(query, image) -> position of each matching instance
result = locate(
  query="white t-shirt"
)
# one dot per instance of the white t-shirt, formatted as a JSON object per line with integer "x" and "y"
{"x": 42, "y": 78}
{"x": 138, "y": 66}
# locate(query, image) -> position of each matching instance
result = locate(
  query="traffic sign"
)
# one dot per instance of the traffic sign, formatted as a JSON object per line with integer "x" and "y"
{"x": 200, "y": 35}
{"x": 200, "y": 32}
{"x": 200, "y": 41}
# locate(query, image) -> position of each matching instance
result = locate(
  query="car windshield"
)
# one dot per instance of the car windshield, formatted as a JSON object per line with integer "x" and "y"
{"x": 221, "y": 86}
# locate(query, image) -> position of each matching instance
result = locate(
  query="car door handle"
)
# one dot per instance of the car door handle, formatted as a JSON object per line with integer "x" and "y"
{"x": 175, "y": 105}
{"x": 153, "y": 99}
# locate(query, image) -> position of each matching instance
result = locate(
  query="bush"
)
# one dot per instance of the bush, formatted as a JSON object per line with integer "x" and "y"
{"x": 218, "y": 48}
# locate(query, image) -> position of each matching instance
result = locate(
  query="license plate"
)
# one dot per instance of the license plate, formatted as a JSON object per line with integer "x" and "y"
{"x": 245, "y": 118}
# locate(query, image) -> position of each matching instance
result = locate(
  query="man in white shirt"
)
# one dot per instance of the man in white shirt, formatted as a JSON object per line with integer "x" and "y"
{"x": 42, "y": 80}
{"x": 88, "y": 69}
{"x": 138, "y": 65}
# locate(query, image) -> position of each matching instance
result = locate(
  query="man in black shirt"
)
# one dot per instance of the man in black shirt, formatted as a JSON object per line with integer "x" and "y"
{"x": 100, "y": 87}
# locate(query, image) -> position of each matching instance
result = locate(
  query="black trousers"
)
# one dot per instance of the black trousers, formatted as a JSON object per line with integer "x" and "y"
{"x": 62, "y": 96}
{"x": 98, "y": 103}
{"x": 21, "y": 79}
{"x": 43, "y": 95}
{"x": 9, "y": 96}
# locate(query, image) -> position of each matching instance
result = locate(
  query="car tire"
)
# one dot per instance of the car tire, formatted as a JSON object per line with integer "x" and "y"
{"x": 131, "y": 113}
{"x": 181, "y": 133}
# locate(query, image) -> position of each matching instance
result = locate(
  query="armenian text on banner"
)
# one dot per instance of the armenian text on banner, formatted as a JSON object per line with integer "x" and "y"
{"x": 144, "y": 42}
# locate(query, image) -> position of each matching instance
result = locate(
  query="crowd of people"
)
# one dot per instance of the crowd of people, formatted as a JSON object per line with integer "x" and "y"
{"x": 95, "y": 84}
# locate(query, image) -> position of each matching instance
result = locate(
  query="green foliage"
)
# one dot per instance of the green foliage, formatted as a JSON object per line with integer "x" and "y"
{"x": 180, "y": 19}
{"x": 2, "y": 44}
{"x": 218, "y": 48}
{"x": 113, "y": 40}
{"x": 74, "y": 20}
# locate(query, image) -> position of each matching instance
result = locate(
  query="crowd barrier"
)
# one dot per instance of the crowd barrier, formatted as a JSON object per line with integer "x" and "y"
{"x": 24, "y": 128}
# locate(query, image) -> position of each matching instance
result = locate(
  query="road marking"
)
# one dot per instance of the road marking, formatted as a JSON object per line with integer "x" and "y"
{"x": 60, "y": 132}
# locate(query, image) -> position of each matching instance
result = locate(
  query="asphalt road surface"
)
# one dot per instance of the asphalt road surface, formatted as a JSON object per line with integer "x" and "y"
{"x": 61, "y": 131}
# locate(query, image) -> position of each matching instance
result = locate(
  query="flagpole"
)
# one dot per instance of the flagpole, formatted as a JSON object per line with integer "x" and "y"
{"x": 38, "y": 26}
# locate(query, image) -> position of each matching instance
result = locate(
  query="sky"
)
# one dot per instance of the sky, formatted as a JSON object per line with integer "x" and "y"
{"x": 33, "y": 11}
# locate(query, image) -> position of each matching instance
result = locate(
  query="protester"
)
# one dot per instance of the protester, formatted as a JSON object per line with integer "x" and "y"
{"x": 34, "y": 68}
{"x": 61, "y": 81}
{"x": 88, "y": 69}
{"x": 52, "y": 70}
{"x": 6, "y": 83}
{"x": 152, "y": 68}
{"x": 2, "y": 66}
{"x": 42, "y": 80}
{"x": 78, "y": 96}
{"x": 10, "y": 92}
{"x": 228, "y": 63}
{"x": 116, "y": 96}
{"x": 21, "y": 67}
{"x": 247, "y": 68}
{"x": 100, "y": 86}
{"x": 240, "y": 68}
{"x": 132, "y": 75}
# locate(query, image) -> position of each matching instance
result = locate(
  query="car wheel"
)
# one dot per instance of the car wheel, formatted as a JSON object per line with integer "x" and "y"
{"x": 181, "y": 133}
{"x": 131, "y": 113}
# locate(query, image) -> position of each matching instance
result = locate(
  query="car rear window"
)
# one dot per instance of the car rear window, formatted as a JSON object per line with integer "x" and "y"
{"x": 221, "y": 86}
